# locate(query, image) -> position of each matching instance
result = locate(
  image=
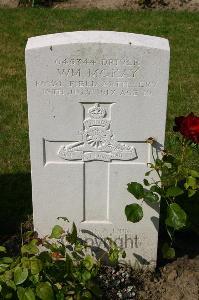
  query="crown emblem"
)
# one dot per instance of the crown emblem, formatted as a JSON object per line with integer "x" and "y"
{"x": 96, "y": 112}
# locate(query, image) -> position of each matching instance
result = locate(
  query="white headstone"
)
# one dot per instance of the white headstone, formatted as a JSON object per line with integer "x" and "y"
{"x": 94, "y": 97}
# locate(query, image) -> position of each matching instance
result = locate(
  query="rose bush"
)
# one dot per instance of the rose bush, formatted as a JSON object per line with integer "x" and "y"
{"x": 177, "y": 187}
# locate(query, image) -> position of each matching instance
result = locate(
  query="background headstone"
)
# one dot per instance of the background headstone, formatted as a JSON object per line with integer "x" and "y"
{"x": 94, "y": 98}
{"x": 9, "y": 3}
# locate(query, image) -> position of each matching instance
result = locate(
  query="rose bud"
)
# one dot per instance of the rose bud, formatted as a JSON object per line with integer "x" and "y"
{"x": 151, "y": 140}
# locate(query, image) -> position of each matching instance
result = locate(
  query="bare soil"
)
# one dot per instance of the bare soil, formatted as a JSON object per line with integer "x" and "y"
{"x": 191, "y": 5}
{"x": 178, "y": 280}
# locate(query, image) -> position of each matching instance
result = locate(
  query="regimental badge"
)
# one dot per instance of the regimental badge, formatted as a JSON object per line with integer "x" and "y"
{"x": 98, "y": 142}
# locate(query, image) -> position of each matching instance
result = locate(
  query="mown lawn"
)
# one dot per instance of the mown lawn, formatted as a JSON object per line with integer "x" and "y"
{"x": 182, "y": 30}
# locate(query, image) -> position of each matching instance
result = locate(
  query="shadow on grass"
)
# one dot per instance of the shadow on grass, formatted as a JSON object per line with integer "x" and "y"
{"x": 15, "y": 201}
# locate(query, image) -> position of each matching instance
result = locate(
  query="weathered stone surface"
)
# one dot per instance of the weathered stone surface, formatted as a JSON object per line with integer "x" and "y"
{"x": 9, "y": 3}
{"x": 94, "y": 98}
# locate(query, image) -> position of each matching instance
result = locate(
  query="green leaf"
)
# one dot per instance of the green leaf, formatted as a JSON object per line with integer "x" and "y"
{"x": 167, "y": 165}
{"x": 146, "y": 182}
{"x": 60, "y": 296}
{"x": 113, "y": 256}
{"x": 134, "y": 212}
{"x": 194, "y": 173}
{"x": 68, "y": 263}
{"x": 54, "y": 247}
{"x": 2, "y": 249}
{"x": 6, "y": 260}
{"x": 25, "y": 294}
{"x": 25, "y": 261}
{"x": 74, "y": 233}
{"x": 11, "y": 284}
{"x": 3, "y": 268}
{"x": 7, "y": 294}
{"x": 20, "y": 275}
{"x": 72, "y": 238}
{"x": 151, "y": 197}
{"x": 79, "y": 247}
{"x": 168, "y": 158}
{"x": 20, "y": 293}
{"x": 136, "y": 189}
{"x": 88, "y": 262}
{"x": 27, "y": 234}
{"x": 8, "y": 275}
{"x": 147, "y": 173}
{"x": 35, "y": 278}
{"x": 191, "y": 182}
{"x": 191, "y": 193}
{"x": 35, "y": 265}
{"x": 57, "y": 232}
{"x": 16, "y": 262}
{"x": 86, "y": 295}
{"x": 30, "y": 248}
{"x": 176, "y": 217}
{"x": 44, "y": 291}
{"x": 158, "y": 162}
{"x": 45, "y": 257}
{"x": 167, "y": 251}
{"x": 70, "y": 298}
{"x": 29, "y": 294}
{"x": 174, "y": 191}
{"x": 156, "y": 189}
{"x": 86, "y": 275}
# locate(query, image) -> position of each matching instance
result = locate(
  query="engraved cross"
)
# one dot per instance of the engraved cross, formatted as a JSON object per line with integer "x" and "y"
{"x": 97, "y": 149}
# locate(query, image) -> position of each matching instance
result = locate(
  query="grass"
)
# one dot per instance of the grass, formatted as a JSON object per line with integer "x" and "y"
{"x": 16, "y": 25}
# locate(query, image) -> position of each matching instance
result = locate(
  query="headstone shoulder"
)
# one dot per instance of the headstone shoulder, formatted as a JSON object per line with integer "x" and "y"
{"x": 106, "y": 37}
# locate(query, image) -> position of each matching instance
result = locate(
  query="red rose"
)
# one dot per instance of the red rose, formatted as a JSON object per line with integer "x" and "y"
{"x": 188, "y": 126}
